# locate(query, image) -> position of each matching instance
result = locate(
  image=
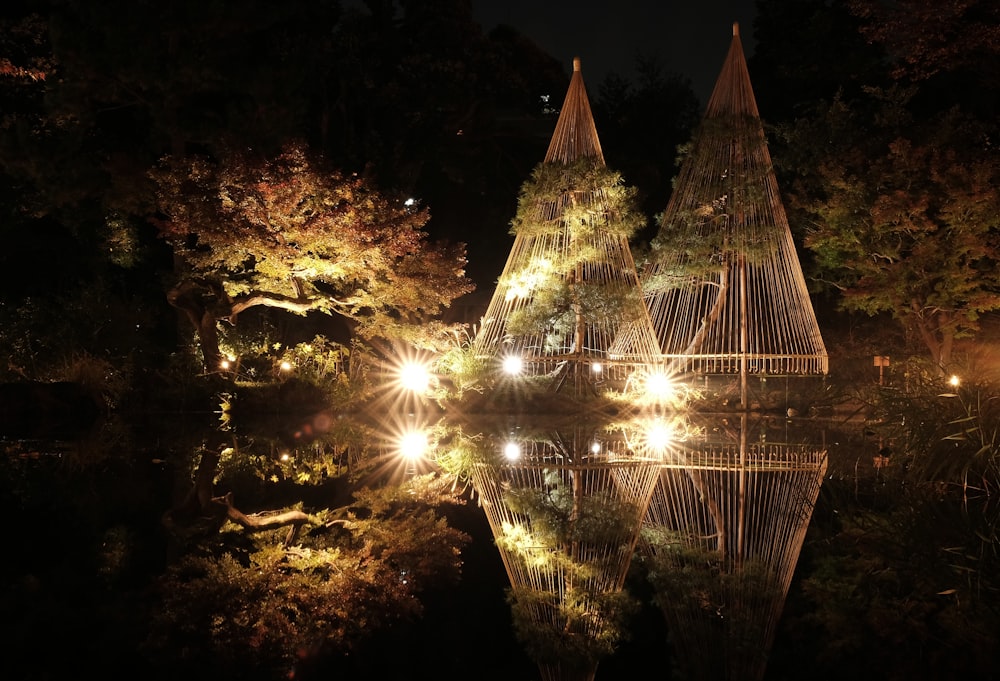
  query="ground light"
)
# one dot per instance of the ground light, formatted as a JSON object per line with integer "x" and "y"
{"x": 658, "y": 386}
{"x": 512, "y": 365}
{"x": 954, "y": 381}
{"x": 415, "y": 377}
{"x": 512, "y": 451}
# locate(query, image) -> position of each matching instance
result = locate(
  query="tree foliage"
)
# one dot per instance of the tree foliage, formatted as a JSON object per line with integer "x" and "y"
{"x": 927, "y": 37}
{"x": 904, "y": 213}
{"x": 287, "y": 233}
{"x": 574, "y": 209}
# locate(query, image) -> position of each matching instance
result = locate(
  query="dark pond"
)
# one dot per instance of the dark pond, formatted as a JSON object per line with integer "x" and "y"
{"x": 700, "y": 520}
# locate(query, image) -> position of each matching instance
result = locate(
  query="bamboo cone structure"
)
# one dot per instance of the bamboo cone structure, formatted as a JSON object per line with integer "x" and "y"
{"x": 724, "y": 287}
{"x": 597, "y": 327}
{"x": 565, "y": 513}
{"x": 726, "y": 524}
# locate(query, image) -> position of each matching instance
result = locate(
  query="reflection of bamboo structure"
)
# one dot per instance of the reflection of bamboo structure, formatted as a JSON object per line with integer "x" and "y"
{"x": 566, "y": 516}
{"x": 568, "y": 298}
{"x": 724, "y": 287}
{"x": 724, "y": 529}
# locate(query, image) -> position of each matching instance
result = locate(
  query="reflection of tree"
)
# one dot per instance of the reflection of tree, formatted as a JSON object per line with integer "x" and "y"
{"x": 251, "y": 591}
{"x": 698, "y": 583}
{"x": 583, "y": 623}
{"x": 723, "y": 534}
{"x": 565, "y": 516}
{"x": 201, "y": 512}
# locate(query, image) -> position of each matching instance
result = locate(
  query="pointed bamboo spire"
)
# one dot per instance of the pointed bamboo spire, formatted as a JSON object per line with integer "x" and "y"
{"x": 733, "y": 94}
{"x": 568, "y": 302}
{"x": 575, "y": 136}
{"x": 725, "y": 289}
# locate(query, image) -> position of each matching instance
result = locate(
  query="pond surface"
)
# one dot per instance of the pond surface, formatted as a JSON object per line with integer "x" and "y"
{"x": 714, "y": 505}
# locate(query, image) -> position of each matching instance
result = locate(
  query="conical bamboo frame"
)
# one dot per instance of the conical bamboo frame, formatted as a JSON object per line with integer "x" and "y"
{"x": 568, "y": 301}
{"x": 724, "y": 286}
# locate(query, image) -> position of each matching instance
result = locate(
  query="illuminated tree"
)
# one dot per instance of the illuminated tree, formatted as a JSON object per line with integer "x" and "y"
{"x": 286, "y": 233}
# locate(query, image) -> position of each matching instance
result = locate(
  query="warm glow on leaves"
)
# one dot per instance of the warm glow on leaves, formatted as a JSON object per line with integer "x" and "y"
{"x": 289, "y": 232}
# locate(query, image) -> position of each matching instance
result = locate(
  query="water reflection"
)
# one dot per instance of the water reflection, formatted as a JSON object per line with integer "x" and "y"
{"x": 713, "y": 509}
{"x": 565, "y": 502}
{"x": 717, "y": 507}
{"x": 723, "y": 534}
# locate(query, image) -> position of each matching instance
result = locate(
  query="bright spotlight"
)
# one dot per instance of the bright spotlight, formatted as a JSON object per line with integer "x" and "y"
{"x": 286, "y": 366}
{"x": 595, "y": 447}
{"x": 224, "y": 364}
{"x": 954, "y": 381}
{"x": 658, "y": 385}
{"x": 415, "y": 377}
{"x": 597, "y": 367}
{"x": 413, "y": 445}
{"x": 512, "y": 451}
{"x": 512, "y": 365}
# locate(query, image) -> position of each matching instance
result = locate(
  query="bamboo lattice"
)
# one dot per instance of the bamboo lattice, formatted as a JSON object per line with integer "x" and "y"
{"x": 566, "y": 516}
{"x": 725, "y": 527}
{"x": 576, "y": 227}
{"x": 724, "y": 286}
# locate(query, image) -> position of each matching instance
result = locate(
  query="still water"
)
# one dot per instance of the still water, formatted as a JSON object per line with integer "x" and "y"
{"x": 561, "y": 513}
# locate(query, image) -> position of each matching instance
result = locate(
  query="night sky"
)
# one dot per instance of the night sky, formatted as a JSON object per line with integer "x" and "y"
{"x": 689, "y": 38}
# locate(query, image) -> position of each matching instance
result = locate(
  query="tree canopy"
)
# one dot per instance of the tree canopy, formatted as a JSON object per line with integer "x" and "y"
{"x": 287, "y": 233}
{"x": 904, "y": 214}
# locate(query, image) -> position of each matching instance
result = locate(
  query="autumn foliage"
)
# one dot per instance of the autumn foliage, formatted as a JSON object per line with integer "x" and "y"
{"x": 288, "y": 233}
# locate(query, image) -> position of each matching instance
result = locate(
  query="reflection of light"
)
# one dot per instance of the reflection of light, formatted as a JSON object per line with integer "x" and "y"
{"x": 413, "y": 444}
{"x": 595, "y": 447}
{"x": 512, "y": 365}
{"x": 596, "y": 367}
{"x": 512, "y": 451}
{"x": 658, "y": 436}
{"x": 414, "y": 377}
{"x": 954, "y": 381}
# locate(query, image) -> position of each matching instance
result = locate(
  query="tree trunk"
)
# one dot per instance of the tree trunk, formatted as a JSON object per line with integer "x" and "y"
{"x": 938, "y": 335}
{"x": 186, "y": 298}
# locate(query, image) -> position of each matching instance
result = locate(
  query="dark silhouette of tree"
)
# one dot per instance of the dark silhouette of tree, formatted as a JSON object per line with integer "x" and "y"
{"x": 643, "y": 122}
{"x": 808, "y": 50}
{"x": 903, "y": 215}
